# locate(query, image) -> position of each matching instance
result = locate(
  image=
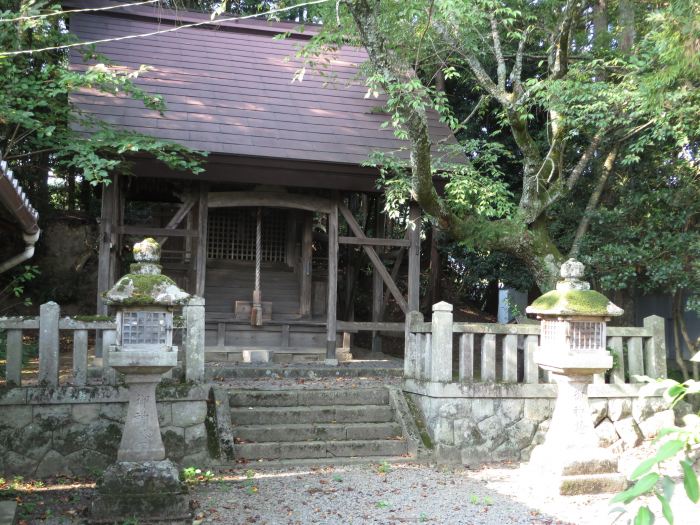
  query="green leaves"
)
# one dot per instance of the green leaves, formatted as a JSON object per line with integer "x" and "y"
{"x": 667, "y": 450}
{"x": 642, "y": 486}
{"x": 690, "y": 481}
{"x": 38, "y": 126}
{"x": 644, "y": 517}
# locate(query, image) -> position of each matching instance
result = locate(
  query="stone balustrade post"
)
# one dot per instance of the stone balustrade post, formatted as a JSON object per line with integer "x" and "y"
{"x": 440, "y": 357}
{"x": 193, "y": 313}
{"x": 655, "y": 347}
{"x": 48, "y": 343}
{"x": 411, "y": 361}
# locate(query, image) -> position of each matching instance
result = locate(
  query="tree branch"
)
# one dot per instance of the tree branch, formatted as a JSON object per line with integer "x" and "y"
{"x": 593, "y": 200}
{"x": 422, "y": 36}
{"x": 498, "y": 53}
{"x": 584, "y": 160}
{"x": 517, "y": 71}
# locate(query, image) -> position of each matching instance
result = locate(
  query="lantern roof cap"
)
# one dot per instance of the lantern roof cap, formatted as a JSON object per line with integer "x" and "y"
{"x": 144, "y": 285}
{"x": 573, "y": 297}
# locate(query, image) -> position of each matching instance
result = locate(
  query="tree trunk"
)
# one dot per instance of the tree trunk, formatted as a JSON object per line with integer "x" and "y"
{"x": 677, "y": 315}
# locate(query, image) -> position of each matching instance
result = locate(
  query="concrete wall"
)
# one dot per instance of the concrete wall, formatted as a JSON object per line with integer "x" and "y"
{"x": 480, "y": 423}
{"x": 77, "y": 430}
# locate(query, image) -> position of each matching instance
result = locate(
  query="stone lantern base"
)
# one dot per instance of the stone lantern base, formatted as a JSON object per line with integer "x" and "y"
{"x": 150, "y": 491}
{"x": 570, "y": 461}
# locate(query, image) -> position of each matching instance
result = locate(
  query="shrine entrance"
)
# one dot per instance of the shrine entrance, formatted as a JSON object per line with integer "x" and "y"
{"x": 246, "y": 246}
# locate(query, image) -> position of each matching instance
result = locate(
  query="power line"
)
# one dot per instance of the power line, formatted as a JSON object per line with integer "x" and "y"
{"x": 159, "y": 32}
{"x": 71, "y": 11}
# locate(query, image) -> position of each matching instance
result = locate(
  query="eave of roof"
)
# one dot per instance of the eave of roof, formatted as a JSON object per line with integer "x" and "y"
{"x": 228, "y": 89}
{"x": 182, "y": 16}
{"x": 12, "y": 198}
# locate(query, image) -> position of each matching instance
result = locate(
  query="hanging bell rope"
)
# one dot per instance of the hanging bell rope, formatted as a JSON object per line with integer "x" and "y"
{"x": 256, "y": 313}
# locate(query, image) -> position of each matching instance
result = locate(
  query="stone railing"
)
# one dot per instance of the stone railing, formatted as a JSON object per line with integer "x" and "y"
{"x": 50, "y": 326}
{"x": 503, "y": 353}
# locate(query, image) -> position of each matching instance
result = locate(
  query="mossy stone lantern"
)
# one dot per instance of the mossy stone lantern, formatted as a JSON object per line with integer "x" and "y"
{"x": 574, "y": 319}
{"x": 144, "y": 300}
{"x": 142, "y": 483}
{"x": 572, "y": 348}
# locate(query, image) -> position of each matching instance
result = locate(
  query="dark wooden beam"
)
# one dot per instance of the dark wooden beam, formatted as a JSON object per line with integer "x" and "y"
{"x": 200, "y": 259}
{"x": 376, "y": 261}
{"x": 306, "y": 266}
{"x": 108, "y": 226}
{"x": 155, "y": 232}
{"x": 227, "y": 199}
{"x": 373, "y": 241}
{"x": 180, "y": 214}
{"x": 377, "y": 282}
{"x": 359, "y": 326}
{"x": 414, "y": 257}
{"x": 332, "y": 317}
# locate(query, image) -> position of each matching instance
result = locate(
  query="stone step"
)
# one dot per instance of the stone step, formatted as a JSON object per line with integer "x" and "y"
{"x": 320, "y": 449}
{"x": 311, "y": 414}
{"x": 327, "y": 432}
{"x": 298, "y": 371}
{"x": 592, "y": 484}
{"x": 318, "y": 462}
{"x": 299, "y": 397}
{"x": 603, "y": 465}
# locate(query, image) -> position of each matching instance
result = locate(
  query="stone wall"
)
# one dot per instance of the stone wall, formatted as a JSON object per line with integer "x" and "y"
{"x": 479, "y": 423}
{"x": 77, "y": 430}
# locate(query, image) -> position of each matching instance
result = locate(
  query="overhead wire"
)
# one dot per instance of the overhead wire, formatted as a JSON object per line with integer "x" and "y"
{"x": 160, "y": 31}
{"x": 71, "y": 11}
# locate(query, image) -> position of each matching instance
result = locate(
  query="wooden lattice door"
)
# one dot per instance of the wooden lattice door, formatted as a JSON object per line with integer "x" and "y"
{"x": 231, "y": 235}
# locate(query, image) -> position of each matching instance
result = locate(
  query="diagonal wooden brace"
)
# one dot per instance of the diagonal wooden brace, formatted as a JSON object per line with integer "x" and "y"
{"x": 372, "y": 254}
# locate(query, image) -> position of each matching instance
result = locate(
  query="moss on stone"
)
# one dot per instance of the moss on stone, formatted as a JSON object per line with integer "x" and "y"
{"x": 145, "y": 289}
{"x": 140, "y": 266}
{"x": 139, "y": 247}
{"x": 573, "y": 302}
{"x": 173, "y": 390}
{"x": 93, "y": 318}
{"x": 420, "y": 423}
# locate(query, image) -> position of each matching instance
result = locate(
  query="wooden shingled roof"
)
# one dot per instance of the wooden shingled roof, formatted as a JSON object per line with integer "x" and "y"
{"x": 229, "y": 91}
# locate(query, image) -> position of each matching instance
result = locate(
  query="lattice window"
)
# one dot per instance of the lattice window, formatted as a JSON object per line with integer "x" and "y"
{"x": 587, "y": 336}
{"x": 231, "y": 235}
{"x": 577, "y": 336}
{"x": 143, "y": 328}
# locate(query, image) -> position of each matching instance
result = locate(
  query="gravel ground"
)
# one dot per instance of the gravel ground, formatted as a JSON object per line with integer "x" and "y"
{"x": 376, "y": 493}
{"x": 396, "y": 494}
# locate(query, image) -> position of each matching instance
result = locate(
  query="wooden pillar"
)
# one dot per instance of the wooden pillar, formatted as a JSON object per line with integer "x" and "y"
{"x": 332, "y": 318}
{"x": 106, "y": 265}
{"x": 200, "y": 259}
{"x": 111, "y": 218}
{"x": 306, "y": 266}
{"x": 377, "y": 282}
{"x": 414, "y": 257}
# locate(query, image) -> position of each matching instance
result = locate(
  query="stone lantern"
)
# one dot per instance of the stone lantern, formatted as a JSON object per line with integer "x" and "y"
{"x": 143, "y": 483}
{"x": 572, "y": 348}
